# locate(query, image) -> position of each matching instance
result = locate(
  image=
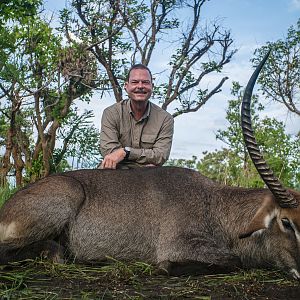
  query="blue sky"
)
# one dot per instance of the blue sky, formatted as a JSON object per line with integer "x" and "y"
{"x": 256, "y": 20}
{"x": 252, "y": 23}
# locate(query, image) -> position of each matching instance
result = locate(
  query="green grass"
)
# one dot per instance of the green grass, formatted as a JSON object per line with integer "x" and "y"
{"x": 44, "y": 280}
{"x": 38, "y": 279}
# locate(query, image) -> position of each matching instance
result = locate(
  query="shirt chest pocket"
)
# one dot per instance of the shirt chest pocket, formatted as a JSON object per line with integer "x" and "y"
{"x": 148, "y": 140}
{"x": 125, "y": 138}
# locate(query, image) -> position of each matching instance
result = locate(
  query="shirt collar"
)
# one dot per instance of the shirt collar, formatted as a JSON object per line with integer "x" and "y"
{"x": 147, "y": 112}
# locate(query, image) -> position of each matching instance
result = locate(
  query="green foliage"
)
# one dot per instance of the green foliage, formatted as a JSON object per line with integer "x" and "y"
{"x": 81, "y": 141}
{"x": 34, "y": 170}
{"x": 40, "y": 78}
{"x": 280, "y": 77}
{"x": 6, "y": 192}
{"x": 13, "y": 15}
{"x": 91, "y": 21}
{"x": 122, "y": 33}
{"x": 225, "y": 167}
{"x": 233, "y": 166}
{"x": 183, "y": 163}
{"x": 18, "y": 9}
{"x": 233, "y": 134}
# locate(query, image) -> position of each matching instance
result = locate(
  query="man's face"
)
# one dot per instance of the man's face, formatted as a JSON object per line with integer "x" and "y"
{"x": 139, "y": 86}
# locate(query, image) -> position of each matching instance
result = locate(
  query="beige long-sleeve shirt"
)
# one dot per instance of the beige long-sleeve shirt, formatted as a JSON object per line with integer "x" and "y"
{"x": 149, "y": 138}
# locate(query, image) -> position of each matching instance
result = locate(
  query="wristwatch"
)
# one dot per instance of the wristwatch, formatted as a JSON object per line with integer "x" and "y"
{"x": 127, "y": 150}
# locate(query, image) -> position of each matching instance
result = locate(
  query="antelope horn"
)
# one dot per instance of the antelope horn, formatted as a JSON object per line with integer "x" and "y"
{"x": 282, "y": 196}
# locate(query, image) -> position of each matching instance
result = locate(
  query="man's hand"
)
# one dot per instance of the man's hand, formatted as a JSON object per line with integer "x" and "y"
{"x": 111, "y": 160}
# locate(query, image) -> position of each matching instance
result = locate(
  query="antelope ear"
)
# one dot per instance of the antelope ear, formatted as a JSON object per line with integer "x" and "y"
{"x": 262, "y": 219}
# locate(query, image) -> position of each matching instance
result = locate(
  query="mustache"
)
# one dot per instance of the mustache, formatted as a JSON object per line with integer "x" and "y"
{"x": 140, "y": 91}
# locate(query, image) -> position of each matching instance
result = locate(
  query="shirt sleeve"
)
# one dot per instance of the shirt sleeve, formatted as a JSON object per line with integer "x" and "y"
{"x": 160, "y": 151}
{"x": 109, "y": 136}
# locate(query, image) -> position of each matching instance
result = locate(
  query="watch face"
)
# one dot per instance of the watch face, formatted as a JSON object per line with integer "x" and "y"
{"x": 127, "y": 150}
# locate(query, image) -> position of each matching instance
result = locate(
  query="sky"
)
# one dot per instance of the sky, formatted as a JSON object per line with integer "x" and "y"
{"x": 252, "y": 23}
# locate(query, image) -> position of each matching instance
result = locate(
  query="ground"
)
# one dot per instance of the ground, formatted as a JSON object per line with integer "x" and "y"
{"x": 44, "y": 280}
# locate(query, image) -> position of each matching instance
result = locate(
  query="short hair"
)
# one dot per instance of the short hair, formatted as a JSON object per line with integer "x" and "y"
{"x": 138, "y": 66}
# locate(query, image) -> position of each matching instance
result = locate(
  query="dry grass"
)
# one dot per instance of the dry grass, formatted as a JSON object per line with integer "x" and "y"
{"x": 44, "y": 280}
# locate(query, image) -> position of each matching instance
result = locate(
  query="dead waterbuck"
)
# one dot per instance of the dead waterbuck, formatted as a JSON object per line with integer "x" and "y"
{"x": 173, "y": 217}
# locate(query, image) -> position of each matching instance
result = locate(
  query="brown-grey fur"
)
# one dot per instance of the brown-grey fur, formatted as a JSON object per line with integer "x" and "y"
{"x": 172, "y": 217}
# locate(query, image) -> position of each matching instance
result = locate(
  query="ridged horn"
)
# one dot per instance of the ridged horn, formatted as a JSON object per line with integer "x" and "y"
{"x": 282, "y": 196}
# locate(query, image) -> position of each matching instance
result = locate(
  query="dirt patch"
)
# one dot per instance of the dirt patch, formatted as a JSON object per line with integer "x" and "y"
{"x": 43, "y": 280}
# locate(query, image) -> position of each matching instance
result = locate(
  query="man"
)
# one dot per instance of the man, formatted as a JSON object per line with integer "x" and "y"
{"x": 136, "y": 132}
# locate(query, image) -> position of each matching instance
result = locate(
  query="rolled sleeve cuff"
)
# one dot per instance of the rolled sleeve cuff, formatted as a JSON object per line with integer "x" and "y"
{"x": 147, "y": 156}
{"x": 136, "y": 154}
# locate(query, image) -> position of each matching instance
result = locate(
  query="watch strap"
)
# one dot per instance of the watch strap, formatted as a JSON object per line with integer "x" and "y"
{"x": 127, "y": 150}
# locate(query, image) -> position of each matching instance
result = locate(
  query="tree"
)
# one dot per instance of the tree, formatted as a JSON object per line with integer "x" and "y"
{"x": 232, "y": 165}
{"x": 83, "y": 147}
{"x": 10, "y": 11}
{"x": 183, "y": 163}
{"x": 120, "y": 33}
{"x": 39, "y": 82}
{"x": 280, "y": 77}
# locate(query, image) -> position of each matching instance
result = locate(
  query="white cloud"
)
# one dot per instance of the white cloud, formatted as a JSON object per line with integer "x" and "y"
{"x": 295, "y": 5}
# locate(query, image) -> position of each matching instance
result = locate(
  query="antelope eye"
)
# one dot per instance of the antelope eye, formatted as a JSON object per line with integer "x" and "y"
{"x": 287, "y": 224}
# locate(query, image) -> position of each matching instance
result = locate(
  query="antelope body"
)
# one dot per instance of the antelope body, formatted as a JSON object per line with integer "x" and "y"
{"x": 167, "y": 216}
{"x": 173, "y": 217}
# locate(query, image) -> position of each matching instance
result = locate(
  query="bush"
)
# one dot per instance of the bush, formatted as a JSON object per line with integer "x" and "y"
{"x": 5, "y": 193}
